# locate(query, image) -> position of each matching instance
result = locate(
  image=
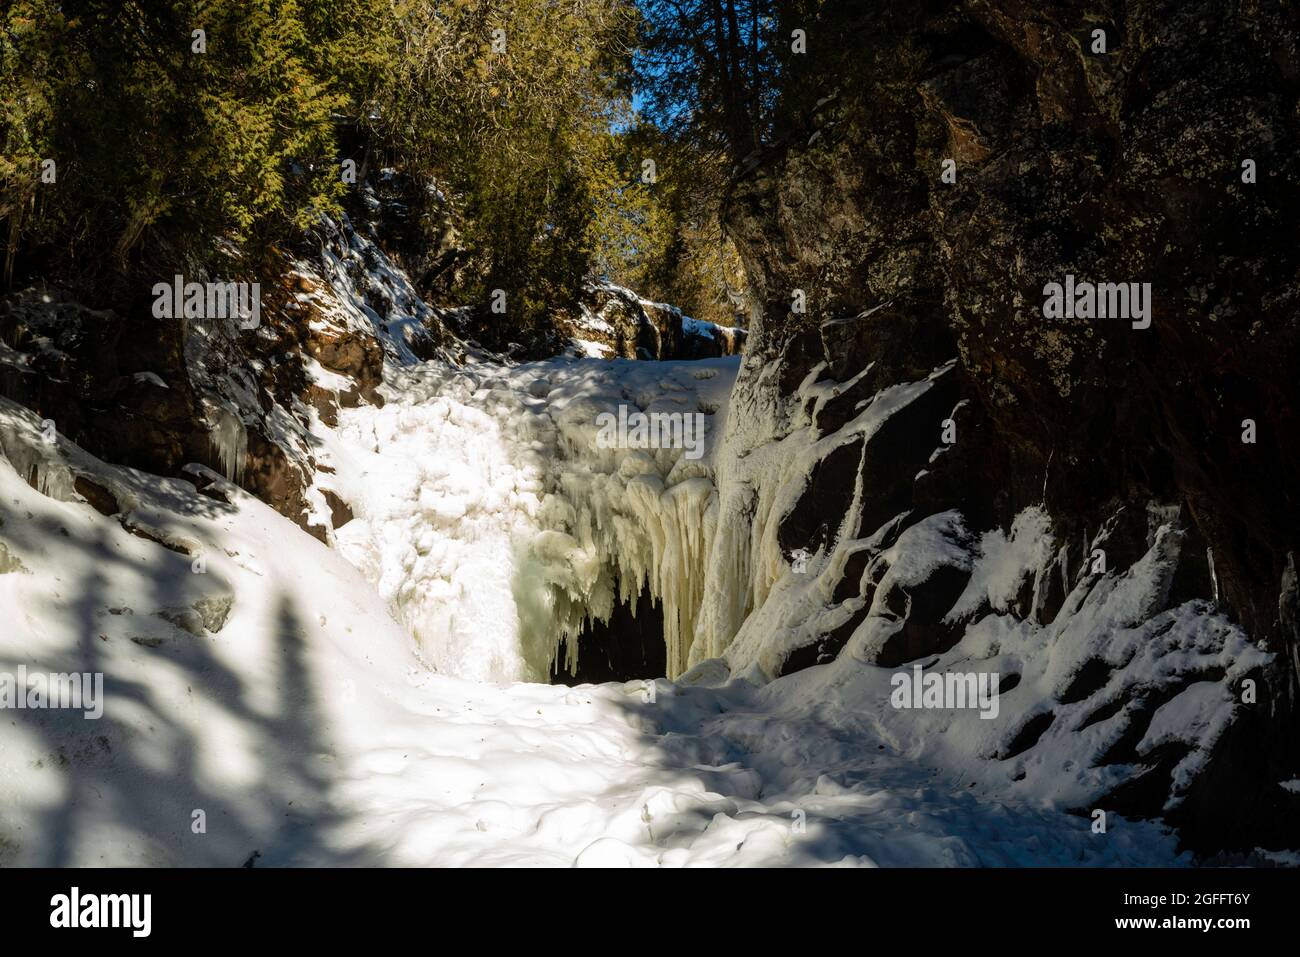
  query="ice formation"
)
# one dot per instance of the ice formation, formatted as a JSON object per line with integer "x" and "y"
{"x": 315, "y": 696}
{"x": 487, "y": 511}
{"x": 229, "y": 441}
{"x": 491, "y": 516}
{"x": 305, "y": 725}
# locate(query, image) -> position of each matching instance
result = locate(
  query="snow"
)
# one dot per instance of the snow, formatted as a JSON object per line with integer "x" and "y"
{"x": 359, "y": 277}
{"x": 1197, "y": 716}
{"x": 482, "y": 490}
{"x": 380, "y": 701}
{"x": 309, "y": 730}
{"x": 593, "y": 322}
{"x": 757, "y": 609}
{"x": 704, "y": 328}
{"x": 588, "y": 349}
{"x": 150, "y": 377}
{"x": 597, "y": 325}
{"x": 1005, "y": 562}
{"x": 762, "y": 468}
{"x": 320, "y": 376}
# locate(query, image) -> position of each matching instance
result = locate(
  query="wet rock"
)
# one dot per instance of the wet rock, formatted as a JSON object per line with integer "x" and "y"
{"x": 827, "y": 647}
{"x": 817, "y": 516}
{"x": 922, "y": 608}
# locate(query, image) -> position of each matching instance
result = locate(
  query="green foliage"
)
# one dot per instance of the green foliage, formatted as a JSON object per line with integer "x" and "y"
{"x": 29, "y": 36}
{"x": 518, "y": 111}
{"x": 161, "y": 151}
{"x": 510, "y": 106}
{"x": 664, "y": 238}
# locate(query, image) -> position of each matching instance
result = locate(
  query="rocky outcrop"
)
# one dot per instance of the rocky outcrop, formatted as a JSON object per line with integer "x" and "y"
{"x": 613, "y": 322}
{"x": 98, "y": 377}
{"x": 157, "y": 394}
{"x": 1104, "y": 142}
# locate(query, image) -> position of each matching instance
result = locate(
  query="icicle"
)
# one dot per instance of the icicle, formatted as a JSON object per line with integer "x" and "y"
{"x": 36, "y": 458}
{"x": 230, "y": 443}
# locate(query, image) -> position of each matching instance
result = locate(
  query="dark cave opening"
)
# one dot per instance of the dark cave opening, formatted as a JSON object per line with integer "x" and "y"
{"x": 627, "y": 647}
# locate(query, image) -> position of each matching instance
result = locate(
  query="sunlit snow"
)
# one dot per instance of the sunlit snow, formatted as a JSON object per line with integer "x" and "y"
{"x": 379, "y": 701}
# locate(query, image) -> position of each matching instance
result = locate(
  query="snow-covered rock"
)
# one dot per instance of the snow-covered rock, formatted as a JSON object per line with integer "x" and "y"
{"x": 612, "y": 322}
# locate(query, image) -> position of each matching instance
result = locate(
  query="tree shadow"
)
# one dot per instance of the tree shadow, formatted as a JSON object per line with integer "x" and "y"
{"x": 146, "y": 783}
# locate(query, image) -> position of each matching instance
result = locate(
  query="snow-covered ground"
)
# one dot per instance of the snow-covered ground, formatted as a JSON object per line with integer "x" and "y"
{"x": 275, "y": 696}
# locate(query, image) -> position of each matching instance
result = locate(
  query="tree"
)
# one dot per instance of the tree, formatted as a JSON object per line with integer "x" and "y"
{"x": 511, "y": 108}
{"x": 708, "y": 67}
{"x": 166, "y": 139}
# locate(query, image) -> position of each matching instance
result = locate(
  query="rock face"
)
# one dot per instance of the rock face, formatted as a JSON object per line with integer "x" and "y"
{"x": 159, "y": 393}
{"x": 98, "y": 378}
{"x": 615, "y": 323}
{"x": 1123, "y": 166}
